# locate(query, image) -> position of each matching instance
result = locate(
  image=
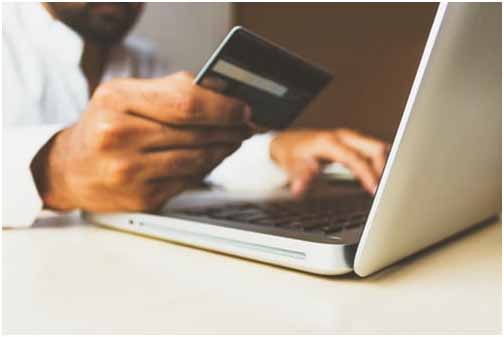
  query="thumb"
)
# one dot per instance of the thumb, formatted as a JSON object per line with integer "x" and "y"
{"x": 301, "y": 174}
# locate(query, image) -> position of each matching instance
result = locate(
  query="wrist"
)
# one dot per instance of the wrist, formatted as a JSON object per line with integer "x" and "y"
{"x": 48, "y": 170}
{"x": 275, "y": 149}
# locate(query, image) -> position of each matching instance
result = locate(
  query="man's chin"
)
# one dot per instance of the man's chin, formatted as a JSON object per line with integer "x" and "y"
{"x": 102, "y": 33}
{"x": 101, "y": 23}
{"x": 109, "y": 9}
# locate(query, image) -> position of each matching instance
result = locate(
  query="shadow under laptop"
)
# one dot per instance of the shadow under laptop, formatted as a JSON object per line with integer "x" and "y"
{"x": 398, "y": 270}
{"x": 48, "y": 219}
{"x": 410, "y": 264}
{"x": 407, "y": 264}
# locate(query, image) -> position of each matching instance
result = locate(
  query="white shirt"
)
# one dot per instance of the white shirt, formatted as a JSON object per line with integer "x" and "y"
{"x": 45, "y": 90}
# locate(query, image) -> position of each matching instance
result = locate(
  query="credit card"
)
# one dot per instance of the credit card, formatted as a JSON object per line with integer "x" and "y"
{"x": 276, "y": 83}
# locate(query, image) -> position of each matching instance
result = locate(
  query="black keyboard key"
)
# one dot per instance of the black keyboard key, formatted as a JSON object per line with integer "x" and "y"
{"x": 311, "y": 226}
{"x": 225, "y": 215}
{"x": 334, "y": 228}
{"x": 265, "y": 222}
{"x": 298, "y": 225}
{"x": 269, "y": 222}
{"x": 251, "y": 218}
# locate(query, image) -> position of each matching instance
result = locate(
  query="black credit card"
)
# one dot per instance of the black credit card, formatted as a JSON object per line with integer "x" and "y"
{"x": 277, "y": 84}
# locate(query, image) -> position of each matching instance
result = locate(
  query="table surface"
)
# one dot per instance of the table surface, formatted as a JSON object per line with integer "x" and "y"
{"x": 64, "y": 276}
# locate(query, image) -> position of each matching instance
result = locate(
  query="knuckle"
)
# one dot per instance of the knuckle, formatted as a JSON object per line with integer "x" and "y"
{"x": 326, "y": 138}
{"x": 107, "y": 136}
{"x": 107, "y": 93}
{"x": 382, "y": 149}
{"x": 186, "y": 108}
{"x": 202, "y": 158}
{"x": 231, "y": 110}
{"x": 359, "y": 167}
{"x": 104, "y": 137}
{"x": 356, "y": 159}
{"x": 121, "y": 172}
{"x": 343, "y": 133}
{"x": 181, "y": 162}
{"x": 184, "y": 75}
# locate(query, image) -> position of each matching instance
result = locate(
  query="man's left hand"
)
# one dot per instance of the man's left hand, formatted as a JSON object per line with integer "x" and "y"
{"x": 302, "y": 154}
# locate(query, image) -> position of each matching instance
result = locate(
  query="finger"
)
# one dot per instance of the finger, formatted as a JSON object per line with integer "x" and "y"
{"x": 220, "y": 85}
{"x": 214, "y": 83}
{"x": 173, "y": 100}
{"x": 352, "y": 159}
{"x": 164, "y": 189}
{"x": 167, "y": 189}
{"x": 301, "y": 175}
{"x": 151, "y": 136}
{"x": 153, "y": 196}
{"x": 372, "y": 148}
{"x": 208, "y": 108}
{"x": 182, "y": 162}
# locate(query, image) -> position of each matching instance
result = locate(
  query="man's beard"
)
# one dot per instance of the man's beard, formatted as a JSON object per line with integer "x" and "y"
{"x": 99, "y": 22}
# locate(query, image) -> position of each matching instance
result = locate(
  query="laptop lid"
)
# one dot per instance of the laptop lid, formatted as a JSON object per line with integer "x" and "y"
{"x": 443, "y": 174}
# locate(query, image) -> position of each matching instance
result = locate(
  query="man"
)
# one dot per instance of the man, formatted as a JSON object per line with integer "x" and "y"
{"x": 92, "y": 122}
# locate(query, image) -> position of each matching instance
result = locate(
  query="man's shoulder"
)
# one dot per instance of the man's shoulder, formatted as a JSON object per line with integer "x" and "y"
{"x": 11, "y": 19}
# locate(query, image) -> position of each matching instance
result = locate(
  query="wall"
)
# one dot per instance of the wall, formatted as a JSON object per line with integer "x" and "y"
{"x": 185, "y": 33}
{"x": 372, "y": 49}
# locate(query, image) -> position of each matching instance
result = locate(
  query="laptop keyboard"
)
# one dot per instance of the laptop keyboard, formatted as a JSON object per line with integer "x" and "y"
{"x": 324, "y": 216}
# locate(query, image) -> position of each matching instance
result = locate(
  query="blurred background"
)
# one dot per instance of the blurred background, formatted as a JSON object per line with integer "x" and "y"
{"x": 372, "y": 49}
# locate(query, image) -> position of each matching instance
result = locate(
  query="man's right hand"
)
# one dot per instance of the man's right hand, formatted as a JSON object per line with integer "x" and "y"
{"x": 139, "y": 143}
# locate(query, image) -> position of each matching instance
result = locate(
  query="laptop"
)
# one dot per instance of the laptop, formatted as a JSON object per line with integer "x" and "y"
{"x": 443, "y": 174}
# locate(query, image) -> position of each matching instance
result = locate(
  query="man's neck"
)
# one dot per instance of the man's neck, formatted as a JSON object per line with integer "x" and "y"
{"x": 93, "y": 61}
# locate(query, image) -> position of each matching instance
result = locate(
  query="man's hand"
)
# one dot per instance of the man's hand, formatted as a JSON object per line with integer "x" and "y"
{"x": 139, "y": 143}
{"x": 301, "y": 153}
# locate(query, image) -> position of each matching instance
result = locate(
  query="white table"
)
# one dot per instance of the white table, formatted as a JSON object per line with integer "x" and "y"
{"x": 72, "y": 277}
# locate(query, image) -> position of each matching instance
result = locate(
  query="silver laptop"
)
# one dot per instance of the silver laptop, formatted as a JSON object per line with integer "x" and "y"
{"x": 443, "y": 174}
